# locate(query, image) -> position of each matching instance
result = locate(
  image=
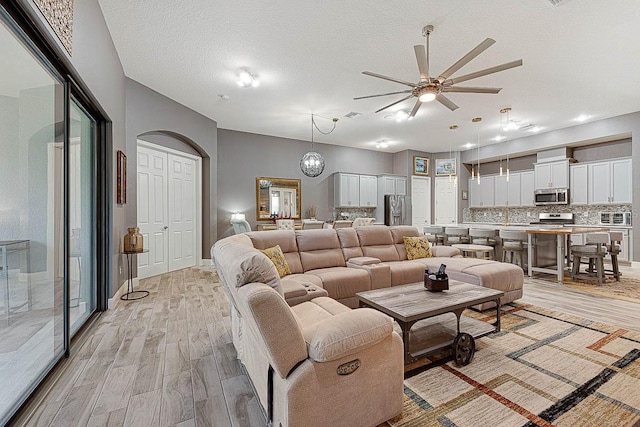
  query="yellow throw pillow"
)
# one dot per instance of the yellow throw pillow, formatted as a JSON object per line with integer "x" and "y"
{"x": 417, "y": 247}
{"x": 276, "y": 256}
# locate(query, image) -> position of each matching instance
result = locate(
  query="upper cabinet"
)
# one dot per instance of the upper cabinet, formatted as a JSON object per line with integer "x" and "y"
{"x": 610, "y": 182}
{"x": 368, "y": 191}
{"x": 507, "y": 190}
{"x": 346, "y": 190}
{"x": 392, "y": 184}
{"x": 483, "y": 193}
{"x": 527, "y": 186}
{"x": 578, "y": 193}
{"x": 552, "y": 174}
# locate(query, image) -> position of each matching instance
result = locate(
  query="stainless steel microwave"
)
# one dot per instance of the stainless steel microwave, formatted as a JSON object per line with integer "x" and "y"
{"x": 551, "y": 196}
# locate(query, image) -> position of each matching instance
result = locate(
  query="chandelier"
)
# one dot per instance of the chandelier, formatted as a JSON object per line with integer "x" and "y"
{"x": 312, "y": 163}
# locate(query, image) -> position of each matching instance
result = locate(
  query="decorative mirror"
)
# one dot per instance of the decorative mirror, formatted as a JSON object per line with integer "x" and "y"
{"x": 277, "y": 198}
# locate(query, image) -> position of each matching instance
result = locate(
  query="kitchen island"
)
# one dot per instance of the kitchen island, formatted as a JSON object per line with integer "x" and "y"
{"x": 563, "y": 240}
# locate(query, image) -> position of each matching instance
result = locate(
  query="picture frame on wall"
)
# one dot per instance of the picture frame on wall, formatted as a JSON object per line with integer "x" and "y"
{"x": 445, "y": 167}
{"x": 121, "y": 178}
{"x": 420, "y": 165}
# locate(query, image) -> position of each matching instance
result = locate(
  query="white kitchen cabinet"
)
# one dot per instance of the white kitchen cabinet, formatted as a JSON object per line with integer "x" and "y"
{"x": 391, "y": 184}
{"x": 578, "y": 191}
{"x": 527, "y": 187}
{"x": 346, "y": 190}
{"x": 482, "y": 195}
{"x": 552, "y": 174}
{"x": 368, "y": 191}
{"x": 507, "y": 193}
{"x": 610, "y": 182}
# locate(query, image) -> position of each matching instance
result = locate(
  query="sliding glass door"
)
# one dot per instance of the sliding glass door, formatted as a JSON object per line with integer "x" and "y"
{"x": 48, "y": 217}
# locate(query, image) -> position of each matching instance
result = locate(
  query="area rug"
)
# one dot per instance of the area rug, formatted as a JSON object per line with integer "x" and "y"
{"x": 627, "y": 289}
{"x": 544, "y": 368}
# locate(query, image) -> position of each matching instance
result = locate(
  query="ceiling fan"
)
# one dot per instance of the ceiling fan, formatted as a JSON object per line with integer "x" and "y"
{"x": 430, "y": 88}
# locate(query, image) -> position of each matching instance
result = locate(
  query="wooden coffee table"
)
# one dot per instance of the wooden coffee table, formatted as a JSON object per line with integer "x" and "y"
{"x": 437, "y": 329}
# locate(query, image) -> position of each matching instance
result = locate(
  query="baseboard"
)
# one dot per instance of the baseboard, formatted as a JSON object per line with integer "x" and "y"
{"x": 121, "y": 291}
{"x": 635, "y": 264}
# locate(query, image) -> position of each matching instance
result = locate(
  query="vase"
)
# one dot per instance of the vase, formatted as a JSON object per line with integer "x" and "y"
{"x": 133, "y": 240}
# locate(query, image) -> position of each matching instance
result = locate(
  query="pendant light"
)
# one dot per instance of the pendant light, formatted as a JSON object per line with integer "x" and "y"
{"x": 451, "y": 178}
{"x": 477, "y": 120}
{"x": 312, "y": 163}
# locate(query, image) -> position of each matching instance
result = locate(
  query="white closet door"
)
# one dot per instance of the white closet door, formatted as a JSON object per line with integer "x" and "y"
{"x": 182, "y": 209}
{"x": 420, "y": 201}
{"x": 446, "y": 201}
{"x": 152, "y": 211}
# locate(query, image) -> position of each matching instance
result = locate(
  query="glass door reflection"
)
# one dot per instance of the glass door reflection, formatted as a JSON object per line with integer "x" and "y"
{"x": 82, "y": 280}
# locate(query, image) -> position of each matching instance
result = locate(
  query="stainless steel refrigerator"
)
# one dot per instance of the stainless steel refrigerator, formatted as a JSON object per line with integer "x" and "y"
{"x": 396, "y": 210}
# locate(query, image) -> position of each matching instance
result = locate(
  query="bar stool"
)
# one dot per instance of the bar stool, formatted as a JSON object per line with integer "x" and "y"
{"x": 513, "y": 242}
{"x": 455, "y": 235}
{"x": 434, "y": 234}
{"x": 595, "y": 249}
{"x": 483, "y": 236}
{"x": 614, "y": 250}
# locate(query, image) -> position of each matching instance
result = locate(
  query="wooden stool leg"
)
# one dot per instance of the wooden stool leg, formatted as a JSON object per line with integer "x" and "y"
{"x": 600, "y": 267}
{"x": 576, "y": 266}
{"x": 614, "y": 266}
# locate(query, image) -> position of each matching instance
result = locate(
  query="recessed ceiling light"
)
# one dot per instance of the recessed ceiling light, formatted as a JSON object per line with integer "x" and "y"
{"x": 582, "y": 118}
{"x": 469, "y": 145}
{"x": 223, "y": 97}
{"x": 499, "y": 138}
{"x": 535, "y": 129}
{"x": 246, "y": 79}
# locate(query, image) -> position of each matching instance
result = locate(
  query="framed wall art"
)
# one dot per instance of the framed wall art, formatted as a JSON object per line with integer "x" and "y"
{"x": 121, "y": 178}
{"x": 420, "y": 165}
{"x": 445, "y": 167}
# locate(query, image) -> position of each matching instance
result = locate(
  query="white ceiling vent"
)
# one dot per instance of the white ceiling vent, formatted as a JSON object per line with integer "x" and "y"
{"x": 557, "y": 2}
{"x": 352, "y": 114}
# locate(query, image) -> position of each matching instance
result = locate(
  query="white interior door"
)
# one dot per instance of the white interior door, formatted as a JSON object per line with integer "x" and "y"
{"x": 182, "y": 210}
{"x": 420, "y": 201}
{"x": 446, "y": 200}
{"x": 152, "y": 184}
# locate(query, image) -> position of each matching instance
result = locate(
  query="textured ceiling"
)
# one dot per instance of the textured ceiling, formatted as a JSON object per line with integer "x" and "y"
{"x": 582, "y": 57}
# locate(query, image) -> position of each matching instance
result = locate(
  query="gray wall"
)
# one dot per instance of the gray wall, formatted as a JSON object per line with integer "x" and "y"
{"x": 175, "y": 125}
{"x": 244, "y": 156}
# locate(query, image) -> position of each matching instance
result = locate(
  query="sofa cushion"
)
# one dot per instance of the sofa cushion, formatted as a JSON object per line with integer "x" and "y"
{"x": 240, "y": 264}
{"x": 347, "y": 333}
{"x": 287, "y": 241}
{"x": 318, "y": 309}
{"x": 376, "y": 242}
{"x": 417, "y": 247}
{"x": 349, "y": 243}
{"x": 398, "y": 233}
{"x": 277, "y": 258}
{"x": 319, "y": 249}
{"x": 343, "y": 282}
{"x": 405, "y": 272}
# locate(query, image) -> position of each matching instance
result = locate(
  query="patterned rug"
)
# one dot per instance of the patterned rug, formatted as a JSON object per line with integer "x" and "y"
{"x": 544, "y": 368}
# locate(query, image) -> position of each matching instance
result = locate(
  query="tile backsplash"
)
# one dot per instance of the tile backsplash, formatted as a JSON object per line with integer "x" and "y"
{"x": 585, "y": 215}
{"x": 353, "y": 213}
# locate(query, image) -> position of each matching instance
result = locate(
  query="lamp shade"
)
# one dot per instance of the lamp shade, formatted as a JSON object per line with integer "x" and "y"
{"x": 312, "y": 164}
{"x": 238, "y": 216}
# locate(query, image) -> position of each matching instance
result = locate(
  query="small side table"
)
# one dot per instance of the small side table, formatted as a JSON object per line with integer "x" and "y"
{"x": 131, "y": 294}
{"x": 470, "y": 250}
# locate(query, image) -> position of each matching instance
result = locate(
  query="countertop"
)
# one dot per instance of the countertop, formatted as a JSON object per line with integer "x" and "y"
{"x": 566, "y": 230}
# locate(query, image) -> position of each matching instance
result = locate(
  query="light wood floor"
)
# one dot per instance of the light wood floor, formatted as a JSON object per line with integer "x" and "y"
{"x": 167, "y": 360}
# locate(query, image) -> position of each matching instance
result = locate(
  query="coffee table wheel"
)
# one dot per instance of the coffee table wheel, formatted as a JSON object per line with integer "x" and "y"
{"x": 464, "y": 347}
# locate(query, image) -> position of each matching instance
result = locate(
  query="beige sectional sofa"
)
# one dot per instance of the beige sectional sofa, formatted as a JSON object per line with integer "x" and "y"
{"x": 345, "y": 261}
{"x": 312, "y": 360}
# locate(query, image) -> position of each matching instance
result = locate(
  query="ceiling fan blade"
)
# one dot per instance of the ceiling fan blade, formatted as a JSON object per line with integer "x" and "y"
{"x": 466, "y": 59}
{"x": 415, "y": 108}
{"x": 394, "y": 103}
{"x": 383, "y": 94}
{"x": 423, "y": 62}
{"x": 467, "y": 89}
{"x": 391, "y": 79}
{"x": 484, "y": 72}
{"x": 446, "y": 102}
